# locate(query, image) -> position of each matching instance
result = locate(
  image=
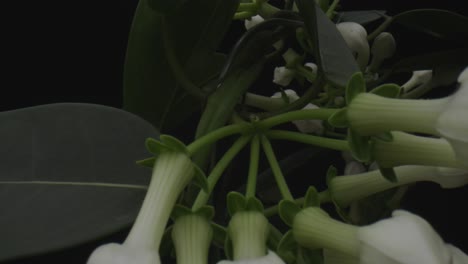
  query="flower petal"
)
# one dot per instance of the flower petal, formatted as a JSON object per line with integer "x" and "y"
{"x": 404, "y": 238}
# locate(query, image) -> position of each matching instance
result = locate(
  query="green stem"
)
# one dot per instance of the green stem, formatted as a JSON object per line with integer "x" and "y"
{"x": 331, "y": 9}
{"x": 330, "y": 143}
{"x": 218, "y": 170}
{"x": 308, "y": 74}
{"x": 253, "y": 167}
{"x": 276, "y": 170}
{"x": 320, "y": 114}
{"x": 382, "y": 27}
{"x": 216, "y": 135}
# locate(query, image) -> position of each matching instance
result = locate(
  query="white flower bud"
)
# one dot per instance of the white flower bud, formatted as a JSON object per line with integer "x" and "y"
{"x": 382, "y": 48}
{"x": 355, "y": 37}
{"x": 283, "y": 76}
{"x": 114, "y": 253}
{"x": 419, "y": 78}
{"x": 253, "y": 21}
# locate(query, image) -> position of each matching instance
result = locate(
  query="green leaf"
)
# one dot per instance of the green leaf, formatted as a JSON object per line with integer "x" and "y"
{"x": 180, "y": 210}
{"x": 173, "y": 143}
{"x": 150, "y": 87}
{"x": 68, "y": 142}
{"x": 432, "y": 60}
{"x": 148, "y": 162}
{"x": 287, "y": 211}
{"x": 206, "y": 211}
{"x": 199, "y": 179}
{"x": 339, "y": 119}
{"x": 254, "y": 204}
{"x": 362, "y": 17}
{"x": 389, "y": 90}
{"x": 228, "y": 250}
{"x": 389, "y": 174}
{"x": 454, "y": 26}
{"x": 311, "y": 199}
{"x": 235, "y": 202}
{"x": 287, "y": 246}
{"x": 334, "y": 57}
{"x": 360, "y": 146}
{"x": 155, "y": 147}
{"x": 355, "y": 86}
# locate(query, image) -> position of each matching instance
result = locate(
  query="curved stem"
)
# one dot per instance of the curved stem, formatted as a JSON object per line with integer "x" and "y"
{"x": 318, "y": 114}
{"x": 275, "y": 168}
{"x": 253, "y": 167}
{"x": 218, "y": 170}
{"x": 216, "y": 135}
{"x": 330, "y": 143}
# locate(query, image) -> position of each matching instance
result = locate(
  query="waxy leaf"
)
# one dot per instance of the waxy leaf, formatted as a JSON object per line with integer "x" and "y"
{"x": 151, "y": 89}
{"x": 389, "y": 174}
{"x": 52, "y": 156}
{"x": 311, "y": 199}
{"x": 360, "y": 146}
{"x": 334, "y": 57}
{"x": 339, "y": 119}
{"x": 429, "y": 21}
{"x": 287, "y": 246}
{"x": 362, "y": 17}
{"x": 235, "y": 202}
{"x": 389, "y": 90}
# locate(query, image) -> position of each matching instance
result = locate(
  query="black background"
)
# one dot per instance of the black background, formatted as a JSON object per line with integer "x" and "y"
{"x": 73, "y": 51}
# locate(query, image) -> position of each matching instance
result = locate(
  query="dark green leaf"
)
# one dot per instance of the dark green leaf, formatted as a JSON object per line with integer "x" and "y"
{"x": 254, "y": 204}
{"x": 360, "y": 146}
{"x": 355, "y": 86}
{"x": 432, "y": 60}
{"x": 150, "y": 88}
{"x": 389, "y": 174}
{"x": 235, "y": 202}
{"x": 69, "y": 143}
{"x": 228, "y": 250}
{"x": 180, "y": 210}
{"x": 311, "y": 199}
{"x": 334, "y": 57}
{"x": 389, "y": 90}
{"x": 454, "y": 26}
{"x": 362, "y": 17}
{"x": 339, "y": 119}
{"x": 287, "y": 211}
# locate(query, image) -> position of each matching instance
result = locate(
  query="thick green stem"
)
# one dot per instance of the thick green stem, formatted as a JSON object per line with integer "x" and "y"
{"x": 253, "y": 167}
{"x": 330, "y": 143}
{"x": 317, "y": 114}
{"x": 216, "y": 135}
{"x": 218, "y": 170}
{"x": 370, "y": 114}
{"x": 276, "y": 170}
